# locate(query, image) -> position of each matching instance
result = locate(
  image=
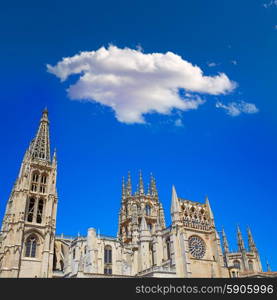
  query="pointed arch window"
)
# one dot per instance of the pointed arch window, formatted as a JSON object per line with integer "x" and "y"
{"x": 31, "y": 207}
{"x": 41, "y": 154}
{"x": 168, "y": 250}
{"x": 237, "y": 264}
{"x": 40, "y": 211}
{"x": 250, "y": 264}
{"x": 74, "y": 253}
{"x": 108, "y": 255}
{"x": 148, "y": 210}
{"x": 152, "y": 255}
{"x": 35, "y": 179}
{"x": 61, "y": 265}
{"x": 108, "y": 260}
{"x": 108, "y": 271}
{"x": 31, "y": 246}
{"x": 42, "y": 189}
{"x": 43, "y": 181}
{"x": 55, "y": 260}
{"x": 34, "y": 187}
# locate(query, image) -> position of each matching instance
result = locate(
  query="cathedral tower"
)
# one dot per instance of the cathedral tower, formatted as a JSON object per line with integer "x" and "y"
{"x": 141, "y": 220}
{"x": 28, "y": 228}
{"x": 136, "y": 206}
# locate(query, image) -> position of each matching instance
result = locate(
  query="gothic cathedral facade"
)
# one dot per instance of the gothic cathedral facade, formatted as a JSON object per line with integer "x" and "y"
{"x": 144, "y": 246}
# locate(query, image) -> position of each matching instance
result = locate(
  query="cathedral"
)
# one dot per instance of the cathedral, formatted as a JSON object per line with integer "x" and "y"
{"x": 144, "y": 247}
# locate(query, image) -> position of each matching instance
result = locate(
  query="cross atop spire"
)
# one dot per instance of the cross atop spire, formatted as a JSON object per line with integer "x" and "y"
{"x": 40, "y": 146}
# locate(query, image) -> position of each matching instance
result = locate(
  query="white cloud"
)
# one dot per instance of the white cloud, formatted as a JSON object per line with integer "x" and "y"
{"x": 139, "y": 47}
{"x": 211, "y": 64}
{"x": 179, "y": 123}
{"x": 270, "y": 3}
{"x": 133, "y": 83}
{"x": 236, "y": 108}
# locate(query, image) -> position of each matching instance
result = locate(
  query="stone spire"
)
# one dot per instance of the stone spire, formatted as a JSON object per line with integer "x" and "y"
{"x": 129, "y": 185}
{"x": 143, "y": 224}
{"x": 144, "y": 245}
{"x": 27, "y": 206}
{"x": 251, "y": 244}
{"x": 40, "y": 146}
{"x": 123, "y": 194}
{"x": 240, "y": 240}
{"x": 144, "y": 231}
{"x": 209, "y": 208}
{"x": 148, "y": 190}
{"x": 153, "y": 187}
{"x": 161, "y": 215}
{"x": 175, "y": 206}
{"x": 225, "y": 242}
{"x": 140, "y": 185}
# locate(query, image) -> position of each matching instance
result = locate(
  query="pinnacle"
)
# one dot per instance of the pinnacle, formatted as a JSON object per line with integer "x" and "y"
{"x": 40, "y": 148}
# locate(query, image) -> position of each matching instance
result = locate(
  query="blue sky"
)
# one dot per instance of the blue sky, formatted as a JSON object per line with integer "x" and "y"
{"x": 222, "y": 148}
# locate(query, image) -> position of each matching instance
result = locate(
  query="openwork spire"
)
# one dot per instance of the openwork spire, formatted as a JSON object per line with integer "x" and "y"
{"x": 153, "y": 187}
{"x": 251, "y": 243}
{"x": 240, "y": 240}
{"x": 148, "y": 190}
{"x": 40, "y": 147}
{"x": 141, "y": 185}
{"x": 129, "y": 185}
{"x": 123, "y": 189}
